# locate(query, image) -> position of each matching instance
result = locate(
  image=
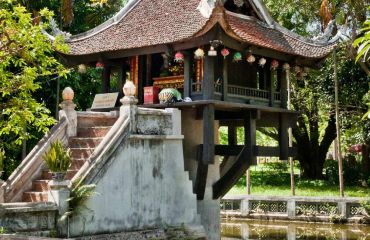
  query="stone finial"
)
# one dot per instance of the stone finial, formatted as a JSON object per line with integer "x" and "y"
{"x": 129, "y": 89}
{"x": 68, "y": 94}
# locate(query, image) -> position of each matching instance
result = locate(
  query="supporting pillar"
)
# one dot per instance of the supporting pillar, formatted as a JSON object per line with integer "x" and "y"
{"x": 291, "y": 205}
{"x": 271, "y": 87}
{"x": 187, "y": 74}
{"x": 284, "y": 89}
{"x": 209, "y": 78}
{"x": 106, "y": 79}
{"x": 250, "y": 136}
{"x": 148, "y": 71}
{"x": 283, "y": 137}
{"x": 225, "y": 81}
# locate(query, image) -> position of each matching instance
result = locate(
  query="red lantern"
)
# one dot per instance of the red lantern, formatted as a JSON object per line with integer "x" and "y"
{"x": 225, "y": 52}
{"x": 99, "y": 65}
{"x": 274, "y": 64}
{"x": 179, "y": 57}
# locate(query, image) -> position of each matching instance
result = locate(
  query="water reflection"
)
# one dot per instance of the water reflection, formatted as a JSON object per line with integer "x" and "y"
{"x": 255, "y": 229}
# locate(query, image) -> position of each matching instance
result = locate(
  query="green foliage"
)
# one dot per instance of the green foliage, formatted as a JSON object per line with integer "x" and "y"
{"x": 26, "y": 55}
{"x": 2, "y": 158}
{"x": 366, "y": 205}
{"x": 363, "y": 42}
{"x": 78, "y": 198}
{"x": 58, "y": 158}
{"x": 353, "y": 172}
{"x": 3, "y": 230}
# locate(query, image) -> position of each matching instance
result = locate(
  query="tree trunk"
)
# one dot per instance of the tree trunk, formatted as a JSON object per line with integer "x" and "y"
{"x": 311, "y": 153}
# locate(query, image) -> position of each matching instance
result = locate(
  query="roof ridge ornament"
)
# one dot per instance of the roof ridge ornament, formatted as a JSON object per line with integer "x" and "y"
{"x": 56, "y": 31}
{"x": 205, "y": 8}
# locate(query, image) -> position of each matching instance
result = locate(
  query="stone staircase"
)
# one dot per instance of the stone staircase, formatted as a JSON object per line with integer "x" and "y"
{"x": 91, "y": 130}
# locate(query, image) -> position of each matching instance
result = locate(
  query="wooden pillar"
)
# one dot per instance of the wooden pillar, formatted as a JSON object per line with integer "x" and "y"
{"x": 271, "y": 87}
{"x": 141, "y": 78}
{"x": 208, "y": 134}
{"x": 283, "y": 137}
{"x": 187, "y": 73}
{"x": 284, "y": 88}
{"x": 232, "y": 135}
{"x": 148, "y": 70}
{"x": 106, "y": 79}
{"x": 209, "y": 78}
{"x": 250, "y": 135}
{"x": 225, "y": 81}
{"x": 121, "y": 79}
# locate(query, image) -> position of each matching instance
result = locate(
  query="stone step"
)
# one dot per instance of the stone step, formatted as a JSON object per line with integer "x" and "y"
{"x": 78, "y": 153}
{"x": 40, "y": 185}
{"x": 92, "y": 132}
{"x": 77, "y": 163}
{"x": 88, "y": 121}
{"x": 84, "y": 142}
{"x": 35, "y": 197}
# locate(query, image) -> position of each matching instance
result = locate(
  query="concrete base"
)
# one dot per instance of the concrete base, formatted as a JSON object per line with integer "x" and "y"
{"x": 209, "y": 209}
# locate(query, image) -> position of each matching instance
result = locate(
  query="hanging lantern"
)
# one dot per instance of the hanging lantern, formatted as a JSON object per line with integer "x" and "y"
{"x": 199, "y": 53}
{"x": 237, "y": 57}
{"x": 297, "y": 69}
{"x": 82, "y": 68}
{"x": 262, "y": 62}
{"x": 274, "y": 64}
{"x": 286, "y": 66}
{"x": 250, "y": 57}
{"x": 99, "y": 65}
{"x": 179, "y": 57}
{"x": 212, "y": 52}
{"x": 225, "y": 52}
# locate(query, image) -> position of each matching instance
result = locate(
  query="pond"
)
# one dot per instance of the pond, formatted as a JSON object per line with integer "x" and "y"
{"x": 256, "y": 229}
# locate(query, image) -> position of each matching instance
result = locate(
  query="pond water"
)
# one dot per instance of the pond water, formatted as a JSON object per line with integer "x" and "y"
{"x": 256, "y": 229}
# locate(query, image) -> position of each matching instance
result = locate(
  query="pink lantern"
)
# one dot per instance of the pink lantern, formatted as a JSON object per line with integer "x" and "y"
{"x": 225, "y": 52}
{"x": 274, "y": 64}
{"x": 99, "y": 65}
{"x": 179, "y": 57}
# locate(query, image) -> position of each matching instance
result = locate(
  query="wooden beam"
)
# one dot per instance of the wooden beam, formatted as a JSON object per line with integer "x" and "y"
{"x": 106, "y": 79}
{"x": 272, "y": 88}
{"x": 148, "y": 71}
{"x": 187, "y": 73}
{"x": 283, "y": 89}
{"x": 208, "y": 134}
{"x": 225, "y": 150}
{"x": 201, "y": 177}
{"x": 231, "y": 177}
{"x": 262, "y": 151}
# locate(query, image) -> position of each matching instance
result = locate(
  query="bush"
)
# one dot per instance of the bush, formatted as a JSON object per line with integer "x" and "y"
{"x": 277, "y": 167}
{"x": 352, "y": 172}
{"x": 58, "y": 158}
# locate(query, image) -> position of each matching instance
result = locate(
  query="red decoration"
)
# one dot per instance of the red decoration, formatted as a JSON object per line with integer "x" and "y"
{"x": 151, "y": 95}
{"x": 179, "y": 57}
{"x": 274, "y": 64}
{"x": 225, "y": 52}
{"x": 355, "y": 148}
{"x": 99, "y": 65}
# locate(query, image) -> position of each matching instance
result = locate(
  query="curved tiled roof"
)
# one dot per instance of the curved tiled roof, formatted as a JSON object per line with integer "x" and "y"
{"x": 146, "y": 23}
{"x": 149, "y": 22}
{"x": 256, "y": 33}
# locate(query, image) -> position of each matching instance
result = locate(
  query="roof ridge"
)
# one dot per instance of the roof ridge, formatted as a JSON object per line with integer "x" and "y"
{"x": 110, "y": 22}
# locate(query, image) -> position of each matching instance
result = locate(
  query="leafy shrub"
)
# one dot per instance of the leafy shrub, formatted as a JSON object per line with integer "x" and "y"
{"x": 352, "y": 172}
{"x": 277, "y": 167}
{"x": 2, "y": 159}
{"x": 58, "y": 158}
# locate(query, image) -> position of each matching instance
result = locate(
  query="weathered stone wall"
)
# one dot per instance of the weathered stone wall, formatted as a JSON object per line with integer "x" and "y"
{"x": 209, "y": 209}
{"x": 28, "y": 217}
{"x": 143, "y": 186}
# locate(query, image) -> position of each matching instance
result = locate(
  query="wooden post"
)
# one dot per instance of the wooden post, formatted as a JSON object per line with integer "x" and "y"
{"x": 106, "y": 79}
{"x": 290, "y": 134}
{"x": 148, "y": 70}
{"x": 187, "y": 74}
{"x": 141, "y": 78}
{"x": 284, "y": 88}
{"x": 208, "y": 134}
{"x": 340, "y": 160}
{"x": 283, "y": 137}
{"x": 209, "y": 78}
{"x": 232, "y": 135}
{"x": 248, "y": 178}
{"x": 250, "y": 136}
{"x": 225, "y": 80}
{"x": 271, "y": 87}
{"x": 121, "y": 80}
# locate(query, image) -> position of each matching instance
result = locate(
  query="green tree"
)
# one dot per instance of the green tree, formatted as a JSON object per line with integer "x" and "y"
{"x": 26, "y": 56}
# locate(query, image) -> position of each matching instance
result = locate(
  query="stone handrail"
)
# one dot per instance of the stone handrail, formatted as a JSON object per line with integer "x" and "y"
{"x": 27, "y": 171}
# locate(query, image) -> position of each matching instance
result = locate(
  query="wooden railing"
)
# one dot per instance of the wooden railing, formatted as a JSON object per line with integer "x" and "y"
{"x": 248, "y": 92}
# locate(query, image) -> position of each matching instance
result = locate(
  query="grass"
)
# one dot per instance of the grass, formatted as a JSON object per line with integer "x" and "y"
{"x": 274, "y": 180}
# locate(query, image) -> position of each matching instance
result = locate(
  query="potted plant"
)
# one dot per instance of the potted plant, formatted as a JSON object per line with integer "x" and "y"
{"x": 58, "y": 160}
